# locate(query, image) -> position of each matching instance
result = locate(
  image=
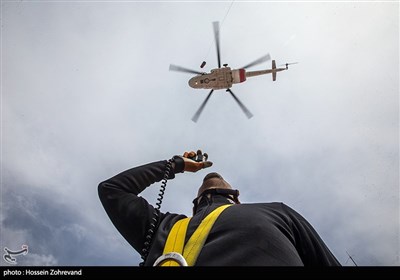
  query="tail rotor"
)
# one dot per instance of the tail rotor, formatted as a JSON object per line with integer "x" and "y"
{"x": 287, "y": 64}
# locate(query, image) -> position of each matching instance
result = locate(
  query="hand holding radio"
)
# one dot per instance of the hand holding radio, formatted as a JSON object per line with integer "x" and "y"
{"x": 195, "y": 161}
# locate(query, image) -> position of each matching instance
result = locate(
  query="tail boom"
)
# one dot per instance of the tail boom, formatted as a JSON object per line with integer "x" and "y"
{"x": 273, "y": 71}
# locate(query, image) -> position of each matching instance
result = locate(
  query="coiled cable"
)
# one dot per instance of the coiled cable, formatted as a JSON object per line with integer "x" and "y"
{"x": 156, "y": 214}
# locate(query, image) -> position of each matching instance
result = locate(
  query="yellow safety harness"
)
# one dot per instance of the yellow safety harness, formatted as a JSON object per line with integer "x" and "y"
{"x": 175, "y": 252}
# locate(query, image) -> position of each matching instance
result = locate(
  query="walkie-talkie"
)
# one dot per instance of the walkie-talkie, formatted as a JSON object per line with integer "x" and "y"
{"x": 199, "y": 156}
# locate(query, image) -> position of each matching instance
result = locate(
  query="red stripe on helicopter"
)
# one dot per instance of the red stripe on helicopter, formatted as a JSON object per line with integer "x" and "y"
{"x": 242, "y": 75}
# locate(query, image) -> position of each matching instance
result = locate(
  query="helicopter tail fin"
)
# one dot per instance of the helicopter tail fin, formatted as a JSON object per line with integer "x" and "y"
{"x": 273, "y": 73}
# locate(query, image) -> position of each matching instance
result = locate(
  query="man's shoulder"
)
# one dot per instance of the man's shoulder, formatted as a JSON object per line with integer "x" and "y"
{"x": 272, "y": 204}
{"x": 171, "y": 218}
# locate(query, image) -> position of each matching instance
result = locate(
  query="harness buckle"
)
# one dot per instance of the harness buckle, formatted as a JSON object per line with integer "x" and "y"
{"x": 173, "y": 256}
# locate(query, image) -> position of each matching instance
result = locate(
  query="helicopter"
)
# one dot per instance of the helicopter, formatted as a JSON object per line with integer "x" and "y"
{"x": 224, "y": 77}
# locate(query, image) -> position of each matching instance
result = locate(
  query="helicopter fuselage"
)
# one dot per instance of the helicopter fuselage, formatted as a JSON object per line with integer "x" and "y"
{"x": 224, "y": 78}
{"x": 219, "y": 78}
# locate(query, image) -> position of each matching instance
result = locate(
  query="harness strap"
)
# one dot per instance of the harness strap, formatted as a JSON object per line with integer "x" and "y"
{"x": 176, "y": 238}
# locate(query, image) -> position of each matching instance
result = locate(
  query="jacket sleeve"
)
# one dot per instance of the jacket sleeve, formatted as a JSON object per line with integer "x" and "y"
{"x": 130, "y": 213}
{"x": 311, "y": 248}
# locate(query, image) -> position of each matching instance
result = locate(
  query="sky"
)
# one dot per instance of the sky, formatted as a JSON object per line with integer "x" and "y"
{"x": 86, "y": 93}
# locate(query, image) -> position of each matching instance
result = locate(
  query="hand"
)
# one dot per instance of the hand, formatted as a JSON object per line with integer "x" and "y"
{"x": 195, "y": 161}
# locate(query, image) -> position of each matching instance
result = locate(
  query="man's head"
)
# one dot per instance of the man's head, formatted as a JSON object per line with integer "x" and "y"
{"x": 213, "y": 181}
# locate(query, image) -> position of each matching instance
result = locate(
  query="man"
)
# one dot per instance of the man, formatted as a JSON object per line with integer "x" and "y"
{"x": 259, "y": 234}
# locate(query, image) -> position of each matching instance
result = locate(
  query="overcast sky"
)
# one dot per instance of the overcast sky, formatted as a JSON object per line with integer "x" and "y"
{"x": 86, "y": 93}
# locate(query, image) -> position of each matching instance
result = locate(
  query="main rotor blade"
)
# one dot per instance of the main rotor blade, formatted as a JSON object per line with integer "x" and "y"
{"x": 182, "y": 69}
{"x": 197, "y": 115}
{"x": 245, "y": 110}
{"x": 258, "y": 61}
{"x": 216, "y": 34}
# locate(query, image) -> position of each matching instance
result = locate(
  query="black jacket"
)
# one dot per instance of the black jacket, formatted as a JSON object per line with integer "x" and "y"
{"x": 259, "y": 234}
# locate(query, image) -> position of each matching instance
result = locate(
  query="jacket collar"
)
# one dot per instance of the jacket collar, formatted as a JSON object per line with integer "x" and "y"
{"x": 208, "y": 200}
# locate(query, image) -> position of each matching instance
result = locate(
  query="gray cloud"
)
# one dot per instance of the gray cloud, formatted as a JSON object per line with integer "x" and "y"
{"x": 38, "y": 260}
{"x": 56, "y": 233}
